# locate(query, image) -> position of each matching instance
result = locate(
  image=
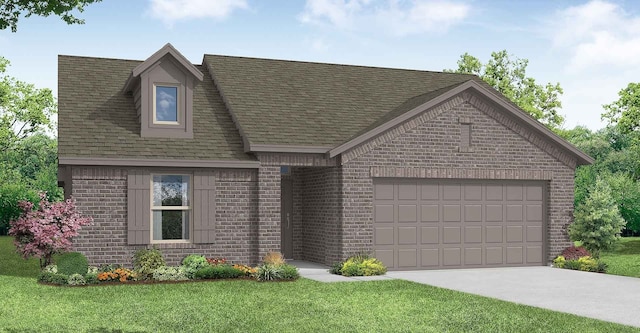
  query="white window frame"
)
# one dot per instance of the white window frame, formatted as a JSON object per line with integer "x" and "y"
{"x": 180, "y": 208}
{"x": 170, "y": 85}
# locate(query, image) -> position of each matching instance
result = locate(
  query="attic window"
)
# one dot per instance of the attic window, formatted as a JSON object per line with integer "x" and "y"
{"x": 165, "y": 104}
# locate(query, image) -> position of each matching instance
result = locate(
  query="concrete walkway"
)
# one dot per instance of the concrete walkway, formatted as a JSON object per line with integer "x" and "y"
{"x": 319, "y": 272}
{"x": 600, "y": 296}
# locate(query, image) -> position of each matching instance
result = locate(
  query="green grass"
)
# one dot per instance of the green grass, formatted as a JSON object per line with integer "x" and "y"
{"x": 247, "y": 306}
{"x": 625, "y": 259}
{"x": 11, "y": 264}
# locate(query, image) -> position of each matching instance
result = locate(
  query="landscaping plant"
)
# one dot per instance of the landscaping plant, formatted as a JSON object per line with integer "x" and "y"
{"x": 145, "y": 261}
{"x": 166, "y": 273}
{"x": 222, "y": 271}
{"x": 598, "y": 223}
{"x": 192, "y": 263}
{"x": 72, "y": 263}
{"x": 575, "y": 252}
{"x": 359, "y": 265}
{"x": 48, "y": 229}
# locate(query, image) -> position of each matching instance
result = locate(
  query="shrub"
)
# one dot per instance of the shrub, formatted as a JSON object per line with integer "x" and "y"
{"x": 274, "y": 258}
{"x": 585, "y": 263}
{"x": 76, "y": 280}
{"x": 11, "y": 193}
{"x": 572, "y": 264}
{"x": 223, "y": 271}
{"x": 48, "y": 229}
{"x": 289, "y": 272}
{"x": 216, "y": 261}
{"x": 575, "y": 252}
{"x": 336, "y": 268}
{"x": 166, "y": 273}
{"x": 91, "y": 278}
{"x": 267, "y": 272}
{"x": 598, "y": 223}
{"x": 118, "y": 274}
{"x": 192, "y": 263}
{"x": 559, "y": 262}
{"x": 53, "y": 278}
{"x": 72, "y": 263}
{"x": 93, "y": 270}
{"x": 51, "y": 269}
{"x": 246, "y": 270}
{"x": 145, "y": 261}
{"x": 362, "y": 265}
{"x": 108, "y": 267}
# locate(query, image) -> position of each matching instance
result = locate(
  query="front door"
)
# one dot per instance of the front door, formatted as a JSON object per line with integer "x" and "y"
{"x": 286, "y": 209}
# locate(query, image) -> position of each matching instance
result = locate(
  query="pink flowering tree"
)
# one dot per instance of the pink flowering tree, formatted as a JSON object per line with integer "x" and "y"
{"x": 46, "y": 230}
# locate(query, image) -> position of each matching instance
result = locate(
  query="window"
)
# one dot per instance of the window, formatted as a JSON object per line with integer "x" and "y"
{"x": 165, "y": 104}
{"x": 170, "y": 208}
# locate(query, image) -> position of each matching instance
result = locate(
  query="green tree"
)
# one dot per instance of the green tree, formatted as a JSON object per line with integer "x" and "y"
{"x": 598, "y": 223}
{"x": 508, "y": 76}
{"x": 11, "y": 10}
{"x": 24, "y": 109}
{"x": 625, "y": 112}
{"x": 626, "y": 193}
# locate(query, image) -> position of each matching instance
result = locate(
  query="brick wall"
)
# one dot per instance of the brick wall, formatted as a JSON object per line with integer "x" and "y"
{"x": 317, "y": 206}
{"x": 101, "y": 192}
{"x": 434, "y": 144}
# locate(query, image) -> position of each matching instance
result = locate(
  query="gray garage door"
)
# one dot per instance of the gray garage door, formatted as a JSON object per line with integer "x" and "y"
{"x": 430, "y": 224}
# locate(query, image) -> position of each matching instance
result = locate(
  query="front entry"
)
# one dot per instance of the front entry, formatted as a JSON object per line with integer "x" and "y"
{"x": 286, "y": 209}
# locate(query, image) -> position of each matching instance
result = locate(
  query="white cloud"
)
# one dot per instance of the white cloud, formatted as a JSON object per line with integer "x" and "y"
{"x": 170, "y": 11}
{"x": 386, "y": 16}
{"x": 597, "y": 33}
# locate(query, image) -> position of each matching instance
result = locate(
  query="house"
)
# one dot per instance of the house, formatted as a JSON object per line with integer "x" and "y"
{"x": 237, "y": 157}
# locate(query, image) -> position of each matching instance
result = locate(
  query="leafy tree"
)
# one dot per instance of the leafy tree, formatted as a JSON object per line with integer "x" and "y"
{"x": 626, "y": 193}
{"x": 46, "y": 230}
{"x": 509, "y": 77}
{"x": 625, "y": 112}
{"x": 24, "y": 109}
{"x": 11, "y": 10}
{"x": 598, "y": 223}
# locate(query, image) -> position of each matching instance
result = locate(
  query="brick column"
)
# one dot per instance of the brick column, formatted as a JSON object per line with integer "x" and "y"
{"x": 269, "y": 210}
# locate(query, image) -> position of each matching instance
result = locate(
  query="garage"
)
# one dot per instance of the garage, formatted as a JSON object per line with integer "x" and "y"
{"x": 442, "y": 224}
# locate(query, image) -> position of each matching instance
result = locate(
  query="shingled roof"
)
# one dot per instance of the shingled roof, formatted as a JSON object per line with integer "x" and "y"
{"x": 248, "y": 102}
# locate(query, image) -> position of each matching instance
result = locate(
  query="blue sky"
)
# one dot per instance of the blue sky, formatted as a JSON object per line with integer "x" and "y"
{"x": 592, "y": 48}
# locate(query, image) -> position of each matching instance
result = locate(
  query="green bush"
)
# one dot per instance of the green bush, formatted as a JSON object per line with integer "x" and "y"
{"x": 91, "y": 278}
{"x": 336, "y": 268}
{"x": 585, "y": 263}
{"x": 50, "y": 269}
{"x": 218, "y": 272}
{"x": 166, "y": 273}
{"x": 289, "y": 272}
{"x": 76, "y": 280}
{"x": 192, "y": 263}
{"x": 12, "y": 192}
{"x": 145, "y": 261}
{"x": 53, "y": 278}
{"x": 72, "y": 263}
{"x": 598, "y": 223}
{"x": 362, "y": 265}
{"x": 266, "y": 272}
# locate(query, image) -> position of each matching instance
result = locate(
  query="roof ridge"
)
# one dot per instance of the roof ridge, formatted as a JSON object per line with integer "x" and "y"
{"x": 338, "y": 64}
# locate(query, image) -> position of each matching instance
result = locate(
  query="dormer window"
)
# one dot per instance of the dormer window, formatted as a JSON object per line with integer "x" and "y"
{"x": 165, "y": 104}
{"x": 162, "y": 88}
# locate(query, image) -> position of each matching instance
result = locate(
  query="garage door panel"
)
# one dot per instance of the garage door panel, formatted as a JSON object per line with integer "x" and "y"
{"x": 386, "y": 256}
{"x": 384, "y": 236}
{"x": 407, "y": 213}
{"x": 451, "y": 256}
{"x": 407, "y": 235}
{"x": 451, "y": 235}
{"x": 473, "y": 213}
{"x": 383, "y": 213}
{"x": 407, "y": 192}
{"x": 383, "y": 191}
{"x": 473, "y": 256}
{"x": 451, "y": 213}
{"x": 429, "y": 213}
{"x": 431, "y": 224}
{"x": 472, "y": 235}
{"x": 430, "y": 257}
{"x": 514, "y": 213}
{"x": 407, "y": 258}
{"x": 515, "y": 234}
{"x": 430, "y": 235}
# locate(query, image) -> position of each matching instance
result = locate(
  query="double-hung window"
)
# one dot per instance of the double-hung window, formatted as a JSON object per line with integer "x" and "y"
{"x": 170, "y": 208}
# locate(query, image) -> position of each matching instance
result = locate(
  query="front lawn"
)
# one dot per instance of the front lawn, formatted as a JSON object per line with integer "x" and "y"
{"x": 625, "y": 259}
{"x": 248, "y": 306}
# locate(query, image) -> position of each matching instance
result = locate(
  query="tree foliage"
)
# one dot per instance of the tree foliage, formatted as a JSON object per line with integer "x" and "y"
{"x": 24, "y": 109}
{"x": 12, "y": 10}
{"x": 508, "y": 76}
{"x": 598, "y": 223}
{"x": 47, "y": 229}
{"x": 625, "y": 112}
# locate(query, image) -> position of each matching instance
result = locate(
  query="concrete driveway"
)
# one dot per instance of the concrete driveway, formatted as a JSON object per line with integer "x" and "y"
{"x": 600, "y": 296}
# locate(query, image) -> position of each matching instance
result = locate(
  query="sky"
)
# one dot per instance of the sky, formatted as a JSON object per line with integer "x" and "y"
{"x": 592, "y": 48}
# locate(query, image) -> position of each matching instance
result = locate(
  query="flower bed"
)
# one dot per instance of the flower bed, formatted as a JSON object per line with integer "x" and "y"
{"x": 359, "y": 265}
